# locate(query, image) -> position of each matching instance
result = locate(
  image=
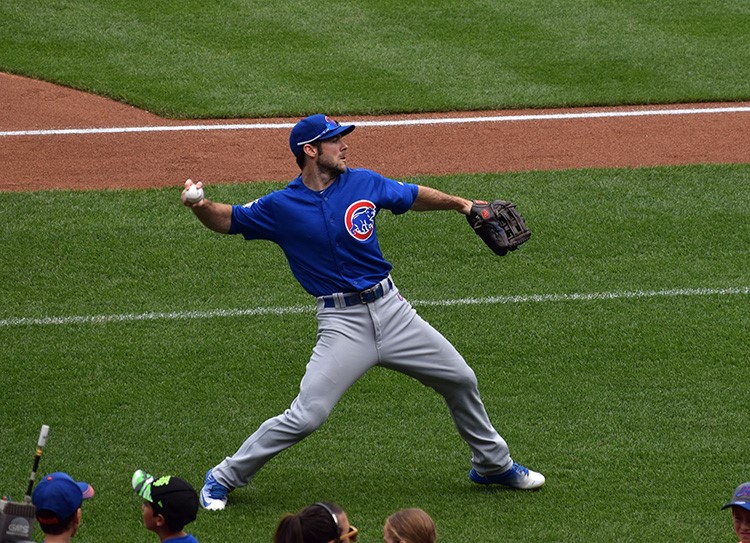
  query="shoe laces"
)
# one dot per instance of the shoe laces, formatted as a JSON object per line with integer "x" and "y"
{"x": 521, "y": 470}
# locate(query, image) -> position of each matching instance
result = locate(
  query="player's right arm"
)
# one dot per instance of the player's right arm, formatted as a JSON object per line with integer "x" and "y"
{"x": 213, "y": 215}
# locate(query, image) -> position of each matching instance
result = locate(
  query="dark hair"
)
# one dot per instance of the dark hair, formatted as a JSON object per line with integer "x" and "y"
{"x": 300, "y": 158}
{"x": 174, "y": 524}
{"x": 314, "y": 524}
{"x": 56, "y": 528}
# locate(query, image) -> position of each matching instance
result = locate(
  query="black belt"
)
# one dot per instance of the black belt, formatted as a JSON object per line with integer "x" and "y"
{"x": 365, "y": 297}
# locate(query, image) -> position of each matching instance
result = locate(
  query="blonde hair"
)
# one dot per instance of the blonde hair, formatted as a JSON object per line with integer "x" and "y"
{"x": 411, "y": 525}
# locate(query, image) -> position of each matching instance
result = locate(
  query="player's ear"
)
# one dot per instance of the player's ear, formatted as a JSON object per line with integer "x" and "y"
{"x": 310, "y": 150}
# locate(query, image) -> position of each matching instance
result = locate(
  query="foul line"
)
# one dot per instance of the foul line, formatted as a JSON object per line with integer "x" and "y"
{"x": 404, "y": 122}
{"x": 533, "y": 298}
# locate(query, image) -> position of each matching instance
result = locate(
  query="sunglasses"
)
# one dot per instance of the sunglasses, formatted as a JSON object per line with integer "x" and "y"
{"x": 331, "y": 125}
{"x": 351, "y": 535}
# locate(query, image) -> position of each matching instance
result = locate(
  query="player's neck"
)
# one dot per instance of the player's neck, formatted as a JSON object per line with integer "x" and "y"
{"x": 317, "y": 180}
{"x": 67, "y": 537}
{"x": 166, "y": 536}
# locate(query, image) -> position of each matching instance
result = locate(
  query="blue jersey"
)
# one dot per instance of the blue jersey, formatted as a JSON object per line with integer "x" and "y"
{"x": 188, "y": 538}
{"x": 328, "y": 237}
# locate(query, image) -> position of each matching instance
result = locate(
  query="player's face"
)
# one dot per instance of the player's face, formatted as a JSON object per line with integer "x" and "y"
{"x": 741, "y": 517}
{"x": 348, "y": 532}
{"x": 332, "y": 157}
{"x": 149, "y": 518}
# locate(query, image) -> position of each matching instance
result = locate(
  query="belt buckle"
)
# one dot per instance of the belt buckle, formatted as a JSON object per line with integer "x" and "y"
{"x": 363, "y": 294}
{"x": 368, "y": 295}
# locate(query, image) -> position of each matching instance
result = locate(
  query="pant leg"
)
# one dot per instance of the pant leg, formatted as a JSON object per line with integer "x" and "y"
{"x": 412, "y": 346}
{"x": 344, "y": 351}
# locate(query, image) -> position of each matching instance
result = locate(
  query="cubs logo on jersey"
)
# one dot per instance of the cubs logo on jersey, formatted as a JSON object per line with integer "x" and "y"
{"x": 360, "y": 219}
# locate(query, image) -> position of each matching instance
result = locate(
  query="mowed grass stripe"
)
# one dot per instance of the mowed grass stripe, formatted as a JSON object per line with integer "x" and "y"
{"x": 262, "y": 311}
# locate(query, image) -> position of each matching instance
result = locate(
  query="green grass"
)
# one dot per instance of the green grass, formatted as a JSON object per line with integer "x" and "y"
{"x": 240, "y": 58}
{"x": 634, "y": 408}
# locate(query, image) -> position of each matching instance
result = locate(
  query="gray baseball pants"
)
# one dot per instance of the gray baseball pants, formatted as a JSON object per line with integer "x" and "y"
{"x": 388, "y": 333}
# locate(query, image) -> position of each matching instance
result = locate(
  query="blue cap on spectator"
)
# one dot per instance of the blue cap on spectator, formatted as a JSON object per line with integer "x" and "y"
{"x": 741, "y": 497}
{"x": 58, "y": 496}
{"x": 317, "y": 127}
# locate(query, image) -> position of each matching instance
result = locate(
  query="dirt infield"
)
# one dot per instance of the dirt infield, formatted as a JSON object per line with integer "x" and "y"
{"x": 139, "y": 149}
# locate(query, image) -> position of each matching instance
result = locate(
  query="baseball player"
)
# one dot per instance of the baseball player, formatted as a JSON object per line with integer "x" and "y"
{"x": 324, "y": 221}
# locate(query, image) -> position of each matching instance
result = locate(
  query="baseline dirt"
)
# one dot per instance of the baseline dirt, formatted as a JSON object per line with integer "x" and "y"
{"x": 155, "y": 159}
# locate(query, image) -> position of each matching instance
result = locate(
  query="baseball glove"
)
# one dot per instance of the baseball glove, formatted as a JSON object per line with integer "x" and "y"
{"x": 499, "y": 225}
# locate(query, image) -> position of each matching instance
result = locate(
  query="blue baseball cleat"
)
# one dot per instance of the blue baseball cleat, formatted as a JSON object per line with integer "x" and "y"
{"x": 517, "y": 476}
{"x": 213, "y": 494}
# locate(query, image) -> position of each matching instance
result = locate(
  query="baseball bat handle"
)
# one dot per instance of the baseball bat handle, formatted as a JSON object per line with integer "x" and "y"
{"x": 39, "y": 446}
{"x": 43, "y": 436}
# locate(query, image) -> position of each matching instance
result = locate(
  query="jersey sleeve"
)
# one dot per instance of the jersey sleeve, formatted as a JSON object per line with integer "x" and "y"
{"x": 396, "y": 196}
{"x": 253, "y": 220}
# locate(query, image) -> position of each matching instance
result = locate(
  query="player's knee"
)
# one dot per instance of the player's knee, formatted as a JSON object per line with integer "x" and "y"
{"x": 313, "y": 416}
{"x": 466, "y": 379}
{"x": 458, "y": 384}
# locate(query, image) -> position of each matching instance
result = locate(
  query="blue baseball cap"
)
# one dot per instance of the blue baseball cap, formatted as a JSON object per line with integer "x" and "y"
{"x": 317, "y": 127}
{"x": 741, "y": 497}
{"x": 58, "y": 496}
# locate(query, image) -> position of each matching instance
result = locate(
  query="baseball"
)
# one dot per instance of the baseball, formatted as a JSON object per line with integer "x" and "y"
{"x": 193, "y": 194}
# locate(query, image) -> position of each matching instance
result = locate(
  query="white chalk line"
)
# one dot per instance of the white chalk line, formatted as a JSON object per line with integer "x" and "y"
{"x": 403, "y": 122}
{"x": 263, "y": 311}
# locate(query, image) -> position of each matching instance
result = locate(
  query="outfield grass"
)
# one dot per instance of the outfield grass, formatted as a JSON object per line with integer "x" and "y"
{"x": 244, "y": 58}
{"x": 634, "y": 407}
{"x": 625, "y": 389}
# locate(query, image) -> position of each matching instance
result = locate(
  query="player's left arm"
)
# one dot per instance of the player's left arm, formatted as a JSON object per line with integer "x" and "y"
{"x": 429, "y": 199}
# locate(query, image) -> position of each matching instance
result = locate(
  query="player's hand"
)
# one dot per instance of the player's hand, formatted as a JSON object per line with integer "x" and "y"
{"x": 192, "y": 194}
